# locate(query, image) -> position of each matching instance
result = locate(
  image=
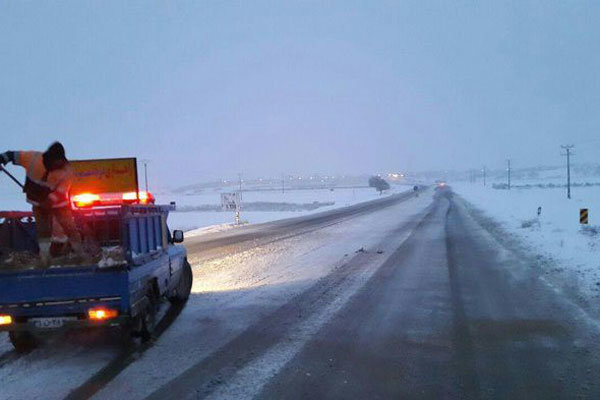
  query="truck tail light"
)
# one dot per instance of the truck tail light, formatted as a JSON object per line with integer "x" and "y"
{"x": 145, "y": 197}
{"x": 5, "y": 320}
{"x": 85, "y": 200}
{"x": 101, "y": 313}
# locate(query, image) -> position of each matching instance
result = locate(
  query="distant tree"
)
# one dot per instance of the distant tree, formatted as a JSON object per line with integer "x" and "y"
{"x": 378, "y": 183}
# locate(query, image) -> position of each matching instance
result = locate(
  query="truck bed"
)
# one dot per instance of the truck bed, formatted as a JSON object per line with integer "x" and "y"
{"x": 134, "y": 267}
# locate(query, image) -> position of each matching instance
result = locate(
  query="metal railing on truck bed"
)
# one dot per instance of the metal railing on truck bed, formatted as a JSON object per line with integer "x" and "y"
{"x": 17, "y": 232}
{"x": 140, "y": 231}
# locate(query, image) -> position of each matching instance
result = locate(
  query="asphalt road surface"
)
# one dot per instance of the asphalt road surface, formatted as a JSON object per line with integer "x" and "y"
{"x": 209, "y": 246}
{"x": 449, "y": 314}
{"x": 221, "y": 244}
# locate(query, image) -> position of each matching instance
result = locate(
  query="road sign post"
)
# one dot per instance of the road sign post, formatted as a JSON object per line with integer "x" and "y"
{"x": 232, "y": 202}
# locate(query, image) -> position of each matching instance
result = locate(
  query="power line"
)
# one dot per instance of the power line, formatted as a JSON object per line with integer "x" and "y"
{"x": 508, "y": 172}
{"x": 568, "y": 154}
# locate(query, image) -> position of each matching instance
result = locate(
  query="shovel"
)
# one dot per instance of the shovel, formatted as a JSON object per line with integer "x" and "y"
{"x": 10, "y": 176}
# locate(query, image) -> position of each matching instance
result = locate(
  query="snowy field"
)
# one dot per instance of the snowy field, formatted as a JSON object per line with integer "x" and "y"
{"x": 190, "y": 220}
{"x": 568, "y": 252}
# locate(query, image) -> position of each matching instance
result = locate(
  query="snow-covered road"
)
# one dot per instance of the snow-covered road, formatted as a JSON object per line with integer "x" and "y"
{"x": 568, "y": 252}
{"x": 406, "y": 295}
{"x": 233, "y": 290}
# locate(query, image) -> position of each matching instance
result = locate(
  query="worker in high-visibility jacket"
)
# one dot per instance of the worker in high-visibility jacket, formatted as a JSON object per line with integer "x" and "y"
{"x": 47, "y": 183}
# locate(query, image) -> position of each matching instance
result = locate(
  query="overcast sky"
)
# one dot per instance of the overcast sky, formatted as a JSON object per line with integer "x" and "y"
{"x": 206, "y": 89}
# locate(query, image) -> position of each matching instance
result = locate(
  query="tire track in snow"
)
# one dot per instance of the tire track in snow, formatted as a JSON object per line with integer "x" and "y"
{"x": 112, "y": 369}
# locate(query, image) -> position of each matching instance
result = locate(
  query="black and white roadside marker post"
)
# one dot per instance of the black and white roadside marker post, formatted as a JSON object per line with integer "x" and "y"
{"x": 583, "y": 216}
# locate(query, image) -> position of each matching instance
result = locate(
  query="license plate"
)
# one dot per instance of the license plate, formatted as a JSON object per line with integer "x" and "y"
{"x": 50, "y": 323}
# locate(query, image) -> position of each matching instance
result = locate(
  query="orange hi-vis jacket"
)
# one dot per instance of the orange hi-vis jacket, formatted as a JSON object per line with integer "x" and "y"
{"x": 44, "y": 188}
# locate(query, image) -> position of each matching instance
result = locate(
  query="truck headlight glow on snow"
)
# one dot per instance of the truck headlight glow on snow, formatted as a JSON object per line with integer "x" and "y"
{"x": 101, "y": 313}
{"x": 5, "y": 320}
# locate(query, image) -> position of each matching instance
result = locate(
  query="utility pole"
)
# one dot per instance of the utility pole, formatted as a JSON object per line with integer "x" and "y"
{"x": 282, "y": 183}
{"x": 145, "y": 162}
{"x": 508, "y": 171}
{"x": 238, "y": 201}
{"x": 484, "y": 175}
{"x": 146, "y": 175}
{"x": 568, "y": 153}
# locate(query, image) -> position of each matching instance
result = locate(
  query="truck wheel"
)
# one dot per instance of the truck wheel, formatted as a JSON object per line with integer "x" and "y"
{"x": 184, "y": 286}
{"x": 22, "y": 341}
{"x": 148, "y": 318}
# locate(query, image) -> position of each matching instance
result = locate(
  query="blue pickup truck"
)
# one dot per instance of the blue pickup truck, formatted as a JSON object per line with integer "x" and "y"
{"x": 138, "y": 262}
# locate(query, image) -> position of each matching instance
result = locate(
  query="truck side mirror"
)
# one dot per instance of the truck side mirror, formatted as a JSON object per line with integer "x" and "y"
{"x": 177, "y": 236}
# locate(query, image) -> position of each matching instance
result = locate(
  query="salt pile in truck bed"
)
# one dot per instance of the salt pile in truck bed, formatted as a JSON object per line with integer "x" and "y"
{"x": 18, "y": 247}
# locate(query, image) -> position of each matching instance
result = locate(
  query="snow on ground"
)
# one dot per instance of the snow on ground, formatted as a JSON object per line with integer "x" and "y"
{"x": 229, "y": 294}
{"x": 568, "y": 252}
{"x": 190, "y": 220}
{"x": 210, "y": 229}
{"x": 232, "y": 292}
{"x": 50, "y": 372}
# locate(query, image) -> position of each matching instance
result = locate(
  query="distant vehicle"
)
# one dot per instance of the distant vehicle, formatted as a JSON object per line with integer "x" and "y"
{"x": 138, "y": 262}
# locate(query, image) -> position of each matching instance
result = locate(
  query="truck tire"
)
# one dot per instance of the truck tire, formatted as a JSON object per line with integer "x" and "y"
{"x": 184, "y": 286}
{"x": 22, "y": 341}
{"x": 148, "y": 317}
